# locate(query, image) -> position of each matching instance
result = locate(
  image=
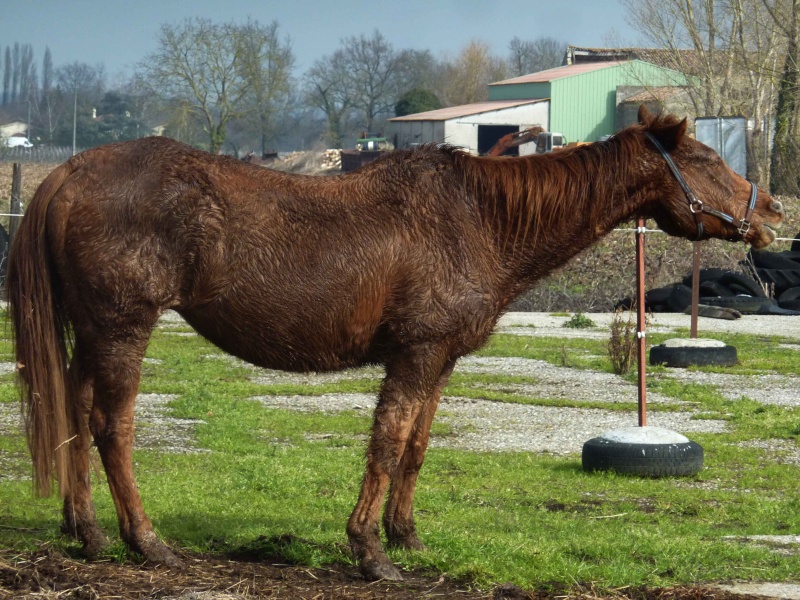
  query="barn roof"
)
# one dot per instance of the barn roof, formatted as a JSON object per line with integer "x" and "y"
{"x": 687, "y": 61}
{"x": 559, "y": 72}
{"x": 465, "y": 110}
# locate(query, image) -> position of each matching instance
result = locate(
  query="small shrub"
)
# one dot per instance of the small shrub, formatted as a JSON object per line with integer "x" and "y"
{"x": 622, "y": 343}
{"x": 579, "y": 321}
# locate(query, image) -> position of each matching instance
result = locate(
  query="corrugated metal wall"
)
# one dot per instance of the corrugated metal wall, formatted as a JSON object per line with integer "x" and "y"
{"x": 583, "y": 107}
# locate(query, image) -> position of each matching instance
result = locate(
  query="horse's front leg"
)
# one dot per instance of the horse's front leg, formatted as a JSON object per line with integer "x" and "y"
{"x": 406, "y": 388}
{"x": 398, "y": 517}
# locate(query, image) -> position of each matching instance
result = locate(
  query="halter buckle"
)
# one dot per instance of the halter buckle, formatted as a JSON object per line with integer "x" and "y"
{"x": 744, "y": 228}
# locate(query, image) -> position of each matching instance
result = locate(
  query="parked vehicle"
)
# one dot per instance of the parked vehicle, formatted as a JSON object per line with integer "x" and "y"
{"x": 547, "y": 141}
{"x": 17, "y": 141}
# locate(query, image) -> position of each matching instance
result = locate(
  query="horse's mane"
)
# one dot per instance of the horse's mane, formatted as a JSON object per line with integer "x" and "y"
{"x": 525, "y": 196}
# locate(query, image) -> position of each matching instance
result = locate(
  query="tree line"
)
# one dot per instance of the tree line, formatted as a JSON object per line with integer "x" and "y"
{"x": 231, "y": 87}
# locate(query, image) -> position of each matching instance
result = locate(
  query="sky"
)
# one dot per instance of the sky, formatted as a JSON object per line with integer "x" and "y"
{"x": 120, "y": 33}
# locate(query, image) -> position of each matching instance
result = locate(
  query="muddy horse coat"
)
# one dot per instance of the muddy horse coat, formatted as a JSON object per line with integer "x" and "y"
{"x": 407, "y": 262}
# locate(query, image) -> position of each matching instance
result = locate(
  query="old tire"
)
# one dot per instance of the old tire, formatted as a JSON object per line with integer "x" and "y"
{"x": 708, "y": 274}
{"x": 648, "y": 460}
{"x": 744, "y": 304}
{"x": 739, "y": 283}
{"x": 790, "y": 294}
{"x": 714, "y": 288}
{"x": 764, "y": 259}
{"x": 683, "y": 357}
{"x": 680, "y": 298}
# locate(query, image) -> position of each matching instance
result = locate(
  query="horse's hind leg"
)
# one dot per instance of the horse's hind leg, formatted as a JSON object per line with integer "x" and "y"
{"x": 80, "y": 520}
{"x": 398, "y": 516}
{"x": 118, "y": 362}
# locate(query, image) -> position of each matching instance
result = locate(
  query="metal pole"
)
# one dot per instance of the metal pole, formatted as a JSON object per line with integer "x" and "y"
{"x": 695, "y": 288}
{"x": 640, "y": 321}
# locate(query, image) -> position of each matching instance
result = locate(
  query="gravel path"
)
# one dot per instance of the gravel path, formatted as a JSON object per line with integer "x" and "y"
{"x": 481, "y": 425}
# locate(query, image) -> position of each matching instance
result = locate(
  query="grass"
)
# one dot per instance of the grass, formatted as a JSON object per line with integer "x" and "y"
{"x": 285, "y": 482}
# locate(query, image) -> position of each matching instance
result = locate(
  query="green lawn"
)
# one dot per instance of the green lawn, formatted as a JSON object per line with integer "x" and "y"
{"x": 282, "y": 481}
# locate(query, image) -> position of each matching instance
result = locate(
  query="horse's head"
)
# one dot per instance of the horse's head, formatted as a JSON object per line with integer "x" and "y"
{"x": 701, "y": 197}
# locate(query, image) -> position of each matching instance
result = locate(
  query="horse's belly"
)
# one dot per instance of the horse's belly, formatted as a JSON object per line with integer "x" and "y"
{"x": 301, "y": 347}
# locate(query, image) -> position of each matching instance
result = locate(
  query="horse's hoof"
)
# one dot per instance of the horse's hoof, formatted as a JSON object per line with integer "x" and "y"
{"x": 94, "y": 545}
{"x": 376, "y": 570}
{"x": 160, "y": 555}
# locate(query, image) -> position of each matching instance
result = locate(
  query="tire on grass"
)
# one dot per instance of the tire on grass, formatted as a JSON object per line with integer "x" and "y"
{"x": 682, "y": 357}
{"x": 649, "y": 460}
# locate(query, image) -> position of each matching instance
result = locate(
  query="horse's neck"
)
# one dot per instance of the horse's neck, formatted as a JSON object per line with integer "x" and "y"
{"x": 576, "y": 215}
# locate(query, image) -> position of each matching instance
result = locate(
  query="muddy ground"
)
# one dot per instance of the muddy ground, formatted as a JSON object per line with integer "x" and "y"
{"x": 50, "y": 575}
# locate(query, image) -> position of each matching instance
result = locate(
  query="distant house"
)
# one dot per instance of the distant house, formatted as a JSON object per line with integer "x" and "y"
{"x": 13, "y": 128}
{"x": 578, "y": 100}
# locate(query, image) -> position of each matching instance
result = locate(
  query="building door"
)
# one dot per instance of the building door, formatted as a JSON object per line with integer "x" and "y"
{"x": 489, "y": 134}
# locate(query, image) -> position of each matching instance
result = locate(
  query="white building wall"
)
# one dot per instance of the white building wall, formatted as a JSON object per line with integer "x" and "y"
{"x": 463, "y": 131}
{"x": 409, "y": 133}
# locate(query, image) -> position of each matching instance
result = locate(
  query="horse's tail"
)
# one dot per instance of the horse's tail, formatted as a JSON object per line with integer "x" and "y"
{"x": 41, "y": 336}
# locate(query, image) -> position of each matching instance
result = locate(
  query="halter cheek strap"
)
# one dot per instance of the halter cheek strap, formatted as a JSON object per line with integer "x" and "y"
{"x": 696, "y": 205}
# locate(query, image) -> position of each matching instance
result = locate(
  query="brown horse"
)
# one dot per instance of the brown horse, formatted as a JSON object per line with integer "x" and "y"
{"x": 407, "y": 262}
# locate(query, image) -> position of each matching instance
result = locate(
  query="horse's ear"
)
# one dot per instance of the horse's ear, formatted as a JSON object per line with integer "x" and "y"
{"x": 645, "y": 116}
{"x": 671, "y": 135}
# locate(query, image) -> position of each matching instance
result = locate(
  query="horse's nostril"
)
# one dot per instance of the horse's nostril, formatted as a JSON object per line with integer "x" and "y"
{"x": 777, "y": 206}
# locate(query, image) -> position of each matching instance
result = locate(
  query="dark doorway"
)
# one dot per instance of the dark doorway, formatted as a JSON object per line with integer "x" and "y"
{"x": 489, "y": 134}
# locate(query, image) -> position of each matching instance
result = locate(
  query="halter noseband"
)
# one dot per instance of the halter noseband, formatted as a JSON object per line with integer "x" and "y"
{"x": 696, "y": 205}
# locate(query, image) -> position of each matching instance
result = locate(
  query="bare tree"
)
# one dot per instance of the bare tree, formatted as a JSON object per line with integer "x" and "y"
{"x": 531, "y": 56}
{"x": 328, "y": 90}
{"x": 362, "y": 81}
{"x": 372, "y": 67}
{"x": 201, "y": 65}
{"x": 268, "y": 65}
{"x": 698, "y": 44}
{"x": 785, "y": 151}
{"x": 727, "y": 48}
{"x": 15, "y": 73}
{"x": 7, "y": 77}
{"x": 465, "y": 79}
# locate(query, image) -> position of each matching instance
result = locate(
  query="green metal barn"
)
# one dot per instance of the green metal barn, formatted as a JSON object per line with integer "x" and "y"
{"x": 584, "y": 97}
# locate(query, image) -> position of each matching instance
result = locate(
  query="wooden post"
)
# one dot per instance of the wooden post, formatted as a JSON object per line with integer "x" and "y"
{"x": 16, "y": 202}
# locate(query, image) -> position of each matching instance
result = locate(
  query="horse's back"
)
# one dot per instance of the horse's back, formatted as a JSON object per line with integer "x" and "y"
{"x": 293, "y": 272}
